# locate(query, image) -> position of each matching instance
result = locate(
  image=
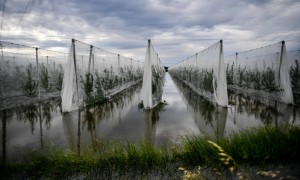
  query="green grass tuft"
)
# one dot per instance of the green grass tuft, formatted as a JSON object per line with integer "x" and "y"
{"x": 255, "y": 147}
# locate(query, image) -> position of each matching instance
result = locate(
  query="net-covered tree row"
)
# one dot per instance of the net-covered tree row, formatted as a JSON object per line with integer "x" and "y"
{"x": 293, "y": 58}
{"x": 93, "y": 75}
{"x": 29, "y": 74}
{"x": 261, "y": 72}
{"x": 204, "y": 72}
{"x": 153, "y": 79}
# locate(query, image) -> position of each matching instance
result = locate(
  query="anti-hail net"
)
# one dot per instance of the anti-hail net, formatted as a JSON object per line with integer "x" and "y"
{"x": 293, "y": 59}
{"x": 204, "y": 72}
{"x": 261, "y": 72}
{"x": 93, "y": 75}
{"x": 28, "y": 74}
{"x": 153, "y": 79}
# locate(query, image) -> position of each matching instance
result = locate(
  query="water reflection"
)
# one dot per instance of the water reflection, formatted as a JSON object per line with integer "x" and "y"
{"x": 42, "y": 124}
{"x": 150, "y": 121}
{"x": 244, "y": 113}
{"x": 47, "y": 108}
{"x": 3, "y": 119}
{"x": 15, "y": 131}
{"x": 263, "y": 112}
{"x": 31, "y": 115}
{"x": 106, "y": 120}
{"x": 210, "y": 118}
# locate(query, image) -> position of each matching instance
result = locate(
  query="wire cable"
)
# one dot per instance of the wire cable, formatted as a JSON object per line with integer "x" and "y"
{"x": 24, "y": 13}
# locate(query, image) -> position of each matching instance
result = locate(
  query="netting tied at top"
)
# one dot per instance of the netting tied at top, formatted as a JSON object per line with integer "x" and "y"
{"x": 153, "y": 79}
{"x": 204, "y": 72}
{"x": 93, "y": 75}
{"x": 28, "y": 74}
{"x": 261, "y": 72}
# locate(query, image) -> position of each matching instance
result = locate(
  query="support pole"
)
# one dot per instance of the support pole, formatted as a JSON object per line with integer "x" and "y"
{"x": 90, "y": 58}
{"x": 37, "y": 68}
{"x": 75, "y": 68}
{"x": 119, "y": 65}
{"x": 280, "y": 60}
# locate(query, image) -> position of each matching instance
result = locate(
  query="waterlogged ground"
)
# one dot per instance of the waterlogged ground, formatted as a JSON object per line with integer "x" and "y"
{"x": 43, "y": 124}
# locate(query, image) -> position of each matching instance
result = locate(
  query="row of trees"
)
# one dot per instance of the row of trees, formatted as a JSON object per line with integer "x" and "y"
{"x": 96, "y": 85}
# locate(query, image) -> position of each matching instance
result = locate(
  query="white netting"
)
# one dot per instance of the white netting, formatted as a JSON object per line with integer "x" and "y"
{"x": 262, "y": 72}
{"x": 93, "y": 74}
{"x": 293, "y": 59}
{"x": 204, "y": 72}
{"x": 154, "y": 78}
{"x": 28, "y": 74}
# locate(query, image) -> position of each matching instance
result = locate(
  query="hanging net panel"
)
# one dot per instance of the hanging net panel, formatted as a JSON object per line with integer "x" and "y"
{"x": 28, "y": 74}
{"x": 293, "y": 59}
{"x": 261, "y": 73}
{"x": 204, "y": 72}
{"x": 153, "y": 79}
{"x": 93, "y": 75}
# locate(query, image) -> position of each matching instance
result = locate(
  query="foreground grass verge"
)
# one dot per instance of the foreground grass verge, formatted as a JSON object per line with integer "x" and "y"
{"x": 262, "y": 146}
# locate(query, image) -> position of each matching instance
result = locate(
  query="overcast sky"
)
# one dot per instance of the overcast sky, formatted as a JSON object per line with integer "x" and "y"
{"x": 177, "y": 28}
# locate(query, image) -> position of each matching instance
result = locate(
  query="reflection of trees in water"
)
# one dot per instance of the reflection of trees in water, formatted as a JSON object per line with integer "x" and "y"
{"x": 119, "y": 101}
{"x": 89, "y": 120}
{"x": 57, "y": 104}
{"x": 47, "y": 109}
{"x": 269, "y": 114}
{"x": 198, "y": 103}
{"x": 33, "y": 112}
{"x": 203, "y": 110}
{"x": 150, "y": 121}
{"x": 266, "y": 112}
{"x": 31, "y": 115}
{"x": 107, "y": 111}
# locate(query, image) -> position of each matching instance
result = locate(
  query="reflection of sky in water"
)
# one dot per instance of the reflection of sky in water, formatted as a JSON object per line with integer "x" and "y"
{"x": 120, "y": 119}
{"x": 175, "y": 121}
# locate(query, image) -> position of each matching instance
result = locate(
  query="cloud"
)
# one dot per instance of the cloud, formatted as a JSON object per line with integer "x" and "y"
{"x": 177, "y": 28}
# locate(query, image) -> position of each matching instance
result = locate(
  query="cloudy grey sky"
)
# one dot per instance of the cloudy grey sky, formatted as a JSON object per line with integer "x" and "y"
{"x": 177, "y": 28}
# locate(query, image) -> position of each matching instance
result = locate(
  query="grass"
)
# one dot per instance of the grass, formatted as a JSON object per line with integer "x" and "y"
{"x": 253, "y": 147}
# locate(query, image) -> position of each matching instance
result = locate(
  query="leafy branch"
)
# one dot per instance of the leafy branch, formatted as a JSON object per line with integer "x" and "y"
{"x": 30, "y": 86}
{"x": 44, "y": 77}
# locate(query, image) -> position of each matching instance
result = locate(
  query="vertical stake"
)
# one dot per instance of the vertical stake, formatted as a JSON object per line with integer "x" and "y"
{"x": 75, "y": 68}
{"x": 90, "y": 58}
{"x": 280, "y": 60}
{"x": 37, "y": 68}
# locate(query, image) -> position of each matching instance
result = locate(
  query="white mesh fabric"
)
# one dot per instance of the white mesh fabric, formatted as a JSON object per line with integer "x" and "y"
{"x": 153, "y": 79}
{"x": 293, "y": 58}
{"x": 69, "y": 94}
{"x": 204, "y": 72}
{"x": 263, "y": 72}
{"x": 16, "y": 62}
{"x": 108, "y": 73}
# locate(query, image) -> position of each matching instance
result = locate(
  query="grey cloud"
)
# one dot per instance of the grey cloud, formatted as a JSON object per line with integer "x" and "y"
{"x": 178, "y": 28}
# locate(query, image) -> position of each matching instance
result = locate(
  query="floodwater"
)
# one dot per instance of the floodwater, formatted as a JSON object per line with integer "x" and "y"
{"x": 43, "y": 124}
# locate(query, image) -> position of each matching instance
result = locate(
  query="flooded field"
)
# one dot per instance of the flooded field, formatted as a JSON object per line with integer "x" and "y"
{"x": 43, "y": 124}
